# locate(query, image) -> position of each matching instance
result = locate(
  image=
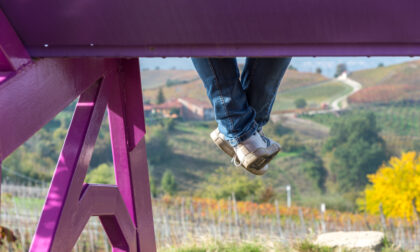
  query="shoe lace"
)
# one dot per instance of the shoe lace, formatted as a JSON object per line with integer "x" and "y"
{"x": 266, "y": 139}
{"x": 235, "y": 161}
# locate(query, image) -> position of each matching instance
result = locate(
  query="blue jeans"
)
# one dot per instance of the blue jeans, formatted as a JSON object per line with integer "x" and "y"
{"x": 241, "y": 105}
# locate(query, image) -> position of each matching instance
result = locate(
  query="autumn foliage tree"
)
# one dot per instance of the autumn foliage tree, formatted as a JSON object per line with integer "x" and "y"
{"x": 395, "y": 186}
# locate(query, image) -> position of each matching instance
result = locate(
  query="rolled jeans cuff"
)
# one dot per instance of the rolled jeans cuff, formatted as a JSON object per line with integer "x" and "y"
{"x": 235, "y": 141}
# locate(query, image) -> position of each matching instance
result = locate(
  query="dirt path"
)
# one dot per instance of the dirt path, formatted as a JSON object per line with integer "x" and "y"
{"x": 335, "y": 105}
{"x": 313, "y": 129}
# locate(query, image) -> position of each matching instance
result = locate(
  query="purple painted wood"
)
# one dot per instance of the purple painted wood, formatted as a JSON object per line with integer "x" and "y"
{"x": 24, "y": 95}
{"x": 12, "y": 53}
{"x": 130, "y": 162}
{"x": 35, "y": 92}
{"x": 217, "y": 27}
{"x": 124, "y": 209}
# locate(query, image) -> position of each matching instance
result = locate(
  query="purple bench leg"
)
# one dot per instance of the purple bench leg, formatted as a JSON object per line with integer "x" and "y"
{"x": 127, "y": 129}
{"x": 125, "y": 209}
{"x": 35, "y": 91}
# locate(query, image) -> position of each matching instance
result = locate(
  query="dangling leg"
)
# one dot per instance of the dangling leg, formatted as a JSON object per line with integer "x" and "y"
{"x": 233, "y": 114}
{"x": 235, "y": 117}
{"x": 260, "y": 80}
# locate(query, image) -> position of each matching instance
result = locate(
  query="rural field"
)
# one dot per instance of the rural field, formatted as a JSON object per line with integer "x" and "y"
{"x": 320, "y": 182}
{"x": 191, "y": 223}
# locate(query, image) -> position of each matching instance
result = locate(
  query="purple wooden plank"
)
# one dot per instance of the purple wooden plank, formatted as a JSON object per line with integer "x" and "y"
{"x": 240, "y": 50}
{"x": 217, "y": 27}
{"x": 127, "y": 135}
{"x": 67, "y": 181}
{"x": 12, "y": 53}
{"x": 106, "y": 201}
{"x": 41, "y": 90}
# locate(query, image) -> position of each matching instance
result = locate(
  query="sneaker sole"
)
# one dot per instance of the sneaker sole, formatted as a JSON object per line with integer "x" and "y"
{"x": 222, "y": 144}
{"x": 260, "y": 158}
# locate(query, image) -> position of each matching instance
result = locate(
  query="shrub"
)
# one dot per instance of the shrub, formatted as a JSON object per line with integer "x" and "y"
{"x": 158, "y": 148}
{"x": 290, "y": 143}
{"x": 225, "y": 181}
{"x": 300, "y": 103}
{"x": 168, "y": 183}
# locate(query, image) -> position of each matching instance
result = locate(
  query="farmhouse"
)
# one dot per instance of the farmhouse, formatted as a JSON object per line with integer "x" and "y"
{"x": 193, "y": 109}
{"x": 186, "y": 108}
{"x": 169, "y": 109}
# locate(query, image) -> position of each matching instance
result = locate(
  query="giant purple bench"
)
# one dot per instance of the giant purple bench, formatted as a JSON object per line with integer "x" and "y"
{"x": 52, "y": 52}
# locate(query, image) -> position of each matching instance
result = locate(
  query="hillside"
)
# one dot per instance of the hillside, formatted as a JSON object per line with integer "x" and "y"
{"x": 194, "y": 88}
{"x": 391, "y": 83}
{"x": 315, "y": 95}
{"x": 194, "y": 157}
{"x": 158, "y": 78}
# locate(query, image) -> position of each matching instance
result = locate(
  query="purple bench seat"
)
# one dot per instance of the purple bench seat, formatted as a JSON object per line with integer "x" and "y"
{"x": 89, "y": 49}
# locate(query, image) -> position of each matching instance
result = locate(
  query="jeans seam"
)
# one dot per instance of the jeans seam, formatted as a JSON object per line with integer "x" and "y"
{"x": 220, "y": 95}
{"x": 235, "y": 141}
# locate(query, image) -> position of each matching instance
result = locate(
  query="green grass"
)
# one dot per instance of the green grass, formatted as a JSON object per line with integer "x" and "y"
{"x": 264, "y": 246}
{"x": 314, "y": 95}
{"x": 29, "y": 203}
{"x": 307, "y": 246}
{"x": 195, "y": 157}
{"x": 221, "y": 247}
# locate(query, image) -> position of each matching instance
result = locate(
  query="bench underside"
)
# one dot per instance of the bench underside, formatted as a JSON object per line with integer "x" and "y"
{"x": 183, "y": 28}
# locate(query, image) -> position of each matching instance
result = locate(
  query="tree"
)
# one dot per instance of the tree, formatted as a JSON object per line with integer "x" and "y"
{"x": 291, "y": 67}
{"x": 358, "y": 150}
{"x": 160, "y": 97}
{"x": 381, "y": 65}
{"x": 396, "y": 187}
{"x": 341, "y": 68}
{"x": 168, "y": 183}
{"x": 103, "y": 174}
{"x": 170, "y": 82}
{"x": 300, "y": 103}
{"x": 314, "y": 168}
{"x": 318, "y": 70}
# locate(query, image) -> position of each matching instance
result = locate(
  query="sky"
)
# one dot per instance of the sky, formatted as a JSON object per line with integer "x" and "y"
{"x": 304, "y": 64}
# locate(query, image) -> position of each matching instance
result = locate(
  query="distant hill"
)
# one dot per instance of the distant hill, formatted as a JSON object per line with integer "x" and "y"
{"x": 193, "y": 87}
{"x": 158, "y": 78}
{"x": 388, "y": 84}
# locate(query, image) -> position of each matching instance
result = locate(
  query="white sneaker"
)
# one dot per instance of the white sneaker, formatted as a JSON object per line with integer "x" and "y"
{"x": 256, "y": 152}
{"x": 219, "y": 139}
